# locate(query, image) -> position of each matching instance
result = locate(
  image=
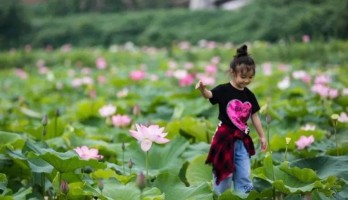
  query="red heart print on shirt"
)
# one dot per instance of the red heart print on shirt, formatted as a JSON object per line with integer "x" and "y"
{"x": 239, "y": 113}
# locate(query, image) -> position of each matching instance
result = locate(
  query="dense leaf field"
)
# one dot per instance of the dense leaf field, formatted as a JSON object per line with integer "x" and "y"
{"x": 127, "y": 123}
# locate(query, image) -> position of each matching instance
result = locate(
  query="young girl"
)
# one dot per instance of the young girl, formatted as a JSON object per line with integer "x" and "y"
{"x": 232, "y": 146}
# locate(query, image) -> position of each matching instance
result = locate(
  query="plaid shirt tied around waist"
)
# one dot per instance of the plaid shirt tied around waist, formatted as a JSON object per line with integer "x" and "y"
{"x": 221, "y": 153}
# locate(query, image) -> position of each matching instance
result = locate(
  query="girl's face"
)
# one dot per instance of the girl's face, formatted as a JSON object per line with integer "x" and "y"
{"x": 242, "y": 78}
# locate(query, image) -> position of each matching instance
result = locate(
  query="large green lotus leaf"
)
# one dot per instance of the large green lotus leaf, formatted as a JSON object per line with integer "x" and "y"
{"x": 198, "y": 172}
{"x": 343, "y": 194}
{"x": 153, "y": 194}
{"x": 325, "y": 166}
{"x": 39, "y": 165}
{"x": 195, "y": 128}
{"x": 62, "y": 142}
{"x": 14, "y": 140}
{"x": 30, "y": 113}
{"x": 286, "y": 179}
{"x": 115, "y": 190}
{"x": 66, "y": 162}
{"x": 71, "y": 177}
{"x": 161, "y": 157}
{"x": 33, "y": 146}
{"x": 55, "y": 128}
{"x": 187, "y": 107}
{"x": 18, "y": 158}
{"x": 88, "y": 108}
{"x": 195, "y": 149}
{"x": 174, "y": 189}
{"x": 253, "y": 195}
{"x": 342, "y": 100}
{"x": 340, "y": 151}
{"x": 109, "y": 173}
{"x": 296, "y": 107}
{"x": 22, "y": 193}
{"x": 79, "y": 190}
{"x": 316, "y": 195}
{"x": 34, "y": 163}
{"x": 3, "y": 181}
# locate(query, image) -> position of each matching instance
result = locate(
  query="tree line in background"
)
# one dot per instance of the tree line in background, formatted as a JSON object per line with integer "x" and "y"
{"x": 82, "y": 23}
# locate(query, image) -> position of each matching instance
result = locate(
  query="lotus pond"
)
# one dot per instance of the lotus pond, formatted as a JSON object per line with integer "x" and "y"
{"x": 127, "y": 123}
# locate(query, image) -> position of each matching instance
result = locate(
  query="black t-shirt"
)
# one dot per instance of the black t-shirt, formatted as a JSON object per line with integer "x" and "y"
{"x": 235, "y": 106}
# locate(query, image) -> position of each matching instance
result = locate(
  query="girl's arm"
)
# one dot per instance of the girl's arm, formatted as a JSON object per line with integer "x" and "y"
{"x": 258, "y": 126}
{"x": 204, "y": 91}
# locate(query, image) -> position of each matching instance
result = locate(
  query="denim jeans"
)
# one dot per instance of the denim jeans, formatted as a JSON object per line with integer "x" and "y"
{"x": 241, "y": 177}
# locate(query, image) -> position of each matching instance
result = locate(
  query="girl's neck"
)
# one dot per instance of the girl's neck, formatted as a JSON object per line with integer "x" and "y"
{"x": 235, "y": 86}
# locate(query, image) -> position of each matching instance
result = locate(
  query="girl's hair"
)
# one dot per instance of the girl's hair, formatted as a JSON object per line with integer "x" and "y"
{"x": 242, "y": 62}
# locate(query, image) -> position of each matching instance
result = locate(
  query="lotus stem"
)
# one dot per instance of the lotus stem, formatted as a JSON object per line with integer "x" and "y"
{"x": 147, "y": 164}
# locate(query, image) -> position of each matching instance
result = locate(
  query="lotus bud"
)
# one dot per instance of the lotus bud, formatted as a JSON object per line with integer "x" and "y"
{"x": 64, "y": 187}
{"x": 123, "y": 147}
{"x": 44, "y": 120}
{"x": 268, "y": 119}
{"x": 136, "y": 110}
{"x": 141, "y": 181}
{"x": 101, "y": 185}
{"x": 57, "y": 112}
{"x": 130, "y": 164}
{"x": 287, "y": 140}
{"x": 334, "y": 118}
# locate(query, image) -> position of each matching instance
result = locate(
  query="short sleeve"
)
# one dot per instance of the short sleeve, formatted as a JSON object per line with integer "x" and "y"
{"x": 216, "y": 94}
{"x": 255, "y": 104}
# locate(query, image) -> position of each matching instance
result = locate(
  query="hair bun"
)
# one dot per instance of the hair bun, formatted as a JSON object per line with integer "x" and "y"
{"x": 242, "y": 51}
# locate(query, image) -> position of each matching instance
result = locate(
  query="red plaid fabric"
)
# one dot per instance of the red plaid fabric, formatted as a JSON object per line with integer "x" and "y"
{"x": 221, "y": 153}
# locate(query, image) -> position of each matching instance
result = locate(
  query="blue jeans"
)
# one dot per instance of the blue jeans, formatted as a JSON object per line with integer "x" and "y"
{"x": 241, "y": 177}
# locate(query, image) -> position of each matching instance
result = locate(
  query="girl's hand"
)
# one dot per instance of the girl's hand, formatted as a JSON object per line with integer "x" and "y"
{"x": 200, "y": 85}
{"x": 263, "y": 144}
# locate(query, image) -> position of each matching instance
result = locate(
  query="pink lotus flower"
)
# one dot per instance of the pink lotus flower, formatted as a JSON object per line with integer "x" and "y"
{"x": 180, "y": 73}
{"x": 186, "y": 81}
{"x": 101, "y": 79}
{"x": 308, "y": 127}
{"x": 107, "y": 110}
{"x": 87, "y": 80}
{"x": 85, "y": 153}
{"x": 211, "y": 69}
{"x": 343, "y": 118}
{"x": 66, "y": 48}
{"x": 21, "y": 73}
{"x": 322, "y": 79}
{"x": 267, "y": 69}
{"x": 306, "y": 39}
{"x": 284, "y": 84}
{"x": 122, "y": 93}
{"x": 344, "y": 92}
{"x": 137, "y": 75}
{"x": 184, "y": 45}
{"x": 302, "y": 75}
{"x": 147, "y": 135}
{"x": 215, "y": 60}
{"x": 86, "y": 70}
{"x": 206, "y": 79}
{"x": 304, "y": 142}
{"x": 121, "y": 120}
{"x": 77, "y": 82}
{"x": 325, "y": 91}
{"x": 188, "y": 65}
{"x": 101, "y": 63}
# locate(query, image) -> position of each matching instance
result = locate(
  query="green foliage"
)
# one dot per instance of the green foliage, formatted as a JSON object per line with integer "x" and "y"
{"x": 14, "y": 23}
{"x": 265, "y": 20}
{"x": 31, "y": 163}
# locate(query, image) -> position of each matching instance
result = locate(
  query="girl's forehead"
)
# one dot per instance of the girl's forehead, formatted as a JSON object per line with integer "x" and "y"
{"x": 246, "y": 71}
{"x": 247, "y": 74}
